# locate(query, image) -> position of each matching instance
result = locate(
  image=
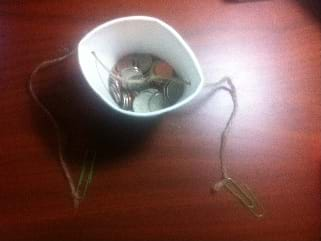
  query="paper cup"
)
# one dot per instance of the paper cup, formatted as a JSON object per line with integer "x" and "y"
{"x": 137, "y": 34}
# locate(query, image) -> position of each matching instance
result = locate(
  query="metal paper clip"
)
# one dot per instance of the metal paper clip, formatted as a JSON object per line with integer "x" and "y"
{"x": 86, "y": 170}
{"x": 243, "y": 194}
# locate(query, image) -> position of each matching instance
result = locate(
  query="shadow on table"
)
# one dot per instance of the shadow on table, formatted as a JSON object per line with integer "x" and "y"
{"x": 243, "y": 1}
{"x": 85, "y": 121}
{"x": 313, "y": 6}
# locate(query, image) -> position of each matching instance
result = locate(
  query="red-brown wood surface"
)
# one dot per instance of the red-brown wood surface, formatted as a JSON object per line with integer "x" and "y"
{"x": 153, "y": 178}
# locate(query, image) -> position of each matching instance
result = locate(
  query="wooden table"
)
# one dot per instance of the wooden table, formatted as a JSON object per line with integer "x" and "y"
{"x": 152, "y": 179}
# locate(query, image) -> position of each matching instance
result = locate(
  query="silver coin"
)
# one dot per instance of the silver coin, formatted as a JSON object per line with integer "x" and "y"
{"x": 173, "y": 90}
{"x": 117, "y": 98}
{"x": 115, "y": 93}
{"x": 132, "y": 78}
{"x": 142, "y": 101}
{"x": 115, "y": 82}
{"x": 127, "y": 100}
{"x": 156, "y": 102}
{"x": 143, "y": 62}
{"x": 125, "y": 62}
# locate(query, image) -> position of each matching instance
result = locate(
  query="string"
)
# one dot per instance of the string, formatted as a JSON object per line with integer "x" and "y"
{"x": 240, "y": 191}
{"x": 74, "y": 192}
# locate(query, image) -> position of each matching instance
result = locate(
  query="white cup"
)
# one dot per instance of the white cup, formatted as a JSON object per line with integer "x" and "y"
{"x": 137, "y": 34}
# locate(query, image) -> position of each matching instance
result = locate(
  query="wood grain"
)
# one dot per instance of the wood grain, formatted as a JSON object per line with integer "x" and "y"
{"x": 153, "y": 178}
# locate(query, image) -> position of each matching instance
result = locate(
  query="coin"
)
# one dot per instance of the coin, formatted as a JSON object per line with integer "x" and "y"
{"x": 173, "y": 90}
{"x": 125, "y": 62}
{"x": 156, "y": 102}
{"x": 144, "y": 83}
{"x": 116, "y": 82}
{"x": 127, "y": 100}
{"x": 143, "y": 62}
{"x": 132, "y": 78}
{"x": 162, "y": 70}
{"x": 144, "y": 100}
{"x": 115, "y": 92}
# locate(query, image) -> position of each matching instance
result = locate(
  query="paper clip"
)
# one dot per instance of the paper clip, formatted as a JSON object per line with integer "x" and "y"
{"x": 243, "y": 194}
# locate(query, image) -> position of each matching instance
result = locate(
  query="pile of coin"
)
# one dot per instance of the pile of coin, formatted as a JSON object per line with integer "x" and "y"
{"x": 144, "y": 83}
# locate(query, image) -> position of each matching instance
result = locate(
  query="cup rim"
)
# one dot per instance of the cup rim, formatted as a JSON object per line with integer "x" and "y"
{"x": 175, "y": 34}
